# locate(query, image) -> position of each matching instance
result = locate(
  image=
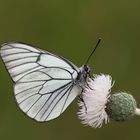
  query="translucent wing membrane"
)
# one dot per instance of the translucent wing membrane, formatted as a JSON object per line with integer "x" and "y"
{"x": 44, "y": 82}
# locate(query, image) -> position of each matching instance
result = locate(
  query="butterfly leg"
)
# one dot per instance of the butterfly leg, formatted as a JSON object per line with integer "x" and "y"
{"x": 88, "y": 85}
{"x": 80, "y": 97}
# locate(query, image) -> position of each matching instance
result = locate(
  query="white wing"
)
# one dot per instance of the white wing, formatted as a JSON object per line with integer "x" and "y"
{"x": 44, "y": 83}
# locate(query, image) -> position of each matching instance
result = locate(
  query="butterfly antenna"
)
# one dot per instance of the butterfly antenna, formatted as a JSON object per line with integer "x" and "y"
{"x": 99, "y": 40}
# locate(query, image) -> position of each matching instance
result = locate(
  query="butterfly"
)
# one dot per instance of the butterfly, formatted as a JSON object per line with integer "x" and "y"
{"x": 44, "y": 83}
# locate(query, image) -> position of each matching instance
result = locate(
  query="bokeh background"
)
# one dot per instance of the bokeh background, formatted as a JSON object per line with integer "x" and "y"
{"x": 68, "y": 28}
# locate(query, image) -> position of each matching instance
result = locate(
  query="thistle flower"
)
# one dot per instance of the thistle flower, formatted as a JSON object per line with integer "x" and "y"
{"x": 97, "y": 105}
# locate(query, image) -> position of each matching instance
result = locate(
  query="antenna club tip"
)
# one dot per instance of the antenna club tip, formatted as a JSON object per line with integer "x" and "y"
{"x": 100, "y": 39}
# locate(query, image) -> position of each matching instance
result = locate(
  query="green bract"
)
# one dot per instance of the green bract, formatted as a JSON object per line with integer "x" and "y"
{"x": 121, "y": 106}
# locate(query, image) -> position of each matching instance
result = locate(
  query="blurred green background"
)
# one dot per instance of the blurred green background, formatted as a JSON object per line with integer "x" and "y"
{"x": 68, "y": 28}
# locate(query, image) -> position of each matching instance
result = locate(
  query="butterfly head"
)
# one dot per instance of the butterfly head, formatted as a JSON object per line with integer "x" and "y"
{"x": 86, "y": 69}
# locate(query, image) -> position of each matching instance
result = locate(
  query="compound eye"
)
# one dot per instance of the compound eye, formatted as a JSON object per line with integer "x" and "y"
{"x": 86, "y": 68}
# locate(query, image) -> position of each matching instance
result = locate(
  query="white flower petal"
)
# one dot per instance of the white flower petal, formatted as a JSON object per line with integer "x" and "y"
{"x": 92, "y": 108}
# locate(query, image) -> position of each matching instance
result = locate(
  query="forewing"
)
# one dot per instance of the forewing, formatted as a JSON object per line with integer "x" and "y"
{"x": 21, "y": 59}
{"x": 44, "y": 82}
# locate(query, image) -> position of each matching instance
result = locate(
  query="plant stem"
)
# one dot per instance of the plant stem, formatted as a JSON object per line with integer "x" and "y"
{"x": 137, "y": 111}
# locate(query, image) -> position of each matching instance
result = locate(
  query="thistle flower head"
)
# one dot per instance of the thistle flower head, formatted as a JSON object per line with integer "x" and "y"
{"x": 97, "y": 105}
{"x": 94, "y": 98}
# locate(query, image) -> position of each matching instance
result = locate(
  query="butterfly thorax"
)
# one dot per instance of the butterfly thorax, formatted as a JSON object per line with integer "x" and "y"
{"x": 83, "y": 75}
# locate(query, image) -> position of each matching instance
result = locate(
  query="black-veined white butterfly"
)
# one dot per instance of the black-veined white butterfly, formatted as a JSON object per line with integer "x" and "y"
{"x": 44, "y": 83}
